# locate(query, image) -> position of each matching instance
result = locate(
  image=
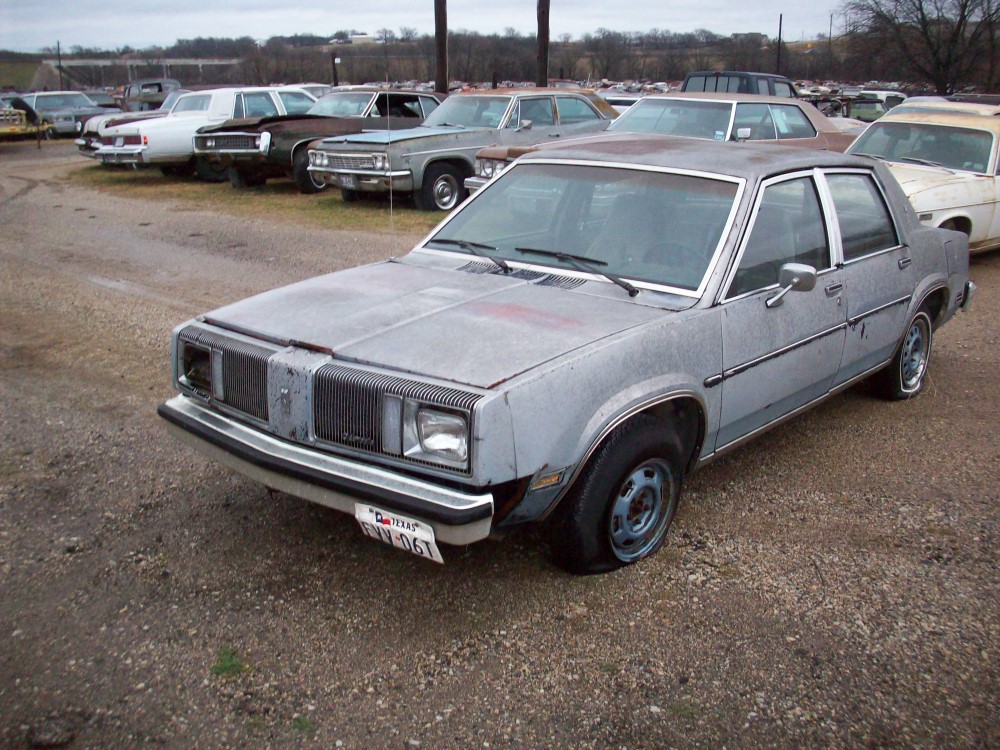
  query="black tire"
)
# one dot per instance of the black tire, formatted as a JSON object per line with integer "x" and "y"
{"x": 443, "y": 188}
{"x": 904, "y": 377}
{"x": 349, "y": 196}
{"x": 304, "y": 179}
{"x": 623, "y": 503}
{"x": 241, "y": 179}
{"x": 177, "y": 170}
{"x": 50, "y": 134}
{"x": 210, "y": 171}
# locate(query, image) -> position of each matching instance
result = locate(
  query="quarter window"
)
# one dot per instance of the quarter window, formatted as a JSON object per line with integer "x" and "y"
{"x": 788, "y": 228}
{"x": 295, "y": 103}
{"x": 792, "y": 122}
{"x": 865, "y": 223}
{"x": 539, "y": 111}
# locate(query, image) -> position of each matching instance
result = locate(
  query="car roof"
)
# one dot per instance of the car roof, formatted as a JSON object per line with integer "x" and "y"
{"x": 724, "y": 97}
{"x": 945, "y": 117}
{"x": 747, "y": 160}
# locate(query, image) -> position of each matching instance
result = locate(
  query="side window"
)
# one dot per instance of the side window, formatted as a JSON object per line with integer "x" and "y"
{"x": 259, "y": 104}
{"x": 695, "y": 83}
{"x": 573, "y": 110}
{"x": 865, "y": 223}
{"x": 428, "y": 104}
{"x": 788, "y": 228}
{"x": 782, "y": 89}
{"x": 239, "y": 111}
{"x": 792, "y": 122}
{"x": 762, "y": 86}
{"x": 756, "y": 117}
{"x": 539, "y": 111}
{"x": 400, "y": 105}
{"x": 295, "y": 103}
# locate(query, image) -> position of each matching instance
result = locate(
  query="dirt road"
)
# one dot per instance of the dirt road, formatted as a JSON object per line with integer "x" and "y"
{"x": 835, "y": 584}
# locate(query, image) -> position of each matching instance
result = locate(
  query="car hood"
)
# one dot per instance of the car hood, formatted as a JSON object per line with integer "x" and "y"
{"x": 478, "y": 329}
{"x": 384, "y": 137}
{"x": 915, "y": 177}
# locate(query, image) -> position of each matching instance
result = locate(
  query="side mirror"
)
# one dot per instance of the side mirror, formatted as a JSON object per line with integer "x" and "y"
{"x": 796, "y": 277}
{"x": 743, "y": 134}
{"x": 525, "y": 125}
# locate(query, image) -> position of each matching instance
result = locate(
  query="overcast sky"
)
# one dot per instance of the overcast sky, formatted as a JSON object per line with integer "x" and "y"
{"x": 30, "y": 25}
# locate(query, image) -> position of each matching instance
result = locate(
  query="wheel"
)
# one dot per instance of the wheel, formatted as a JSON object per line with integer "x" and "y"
{"x": 442, "y": 190}
{"x": 304, "y": 179}
{"x": 349, "y": 196}
{"x": 620, "y": 508}
{"x": 240, "y": 178}
{"x": 904, "y": 376}
{"x": 50, "y": 134}
{"x": 210, "y": 171}
{"x": 176, "y": 170}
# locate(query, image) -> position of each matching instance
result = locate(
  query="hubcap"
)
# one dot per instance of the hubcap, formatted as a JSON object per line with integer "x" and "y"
{"x": 914, "y": 355}
{"x": 641, "y": 510}
{"x": 446, "y": 192}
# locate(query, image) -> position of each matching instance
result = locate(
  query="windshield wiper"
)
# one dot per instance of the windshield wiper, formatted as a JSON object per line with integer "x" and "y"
{"x": 591, "y": 265}
{"x": 925, "y": 162}
{"x": 478, "y": 249}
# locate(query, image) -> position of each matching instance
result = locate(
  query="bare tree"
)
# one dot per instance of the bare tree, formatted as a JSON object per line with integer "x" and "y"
{"x": 408, "y": 34}
{"x": 942, "y": 41}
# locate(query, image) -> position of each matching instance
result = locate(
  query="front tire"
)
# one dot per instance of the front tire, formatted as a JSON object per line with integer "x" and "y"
{"x": 210, "y": 171}
{"x": 443, "y": 188}
{"x": 304, "y": 179}
{"x": 905, "y": 375}
{"x": 621, "y": 507}
{"x": 349, "y": 196}
{"x": 240, "y": 178}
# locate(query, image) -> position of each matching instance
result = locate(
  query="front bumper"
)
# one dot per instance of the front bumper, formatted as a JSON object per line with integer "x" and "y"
{"x": 365, "y": 182}
{"x": 338, "y": 483}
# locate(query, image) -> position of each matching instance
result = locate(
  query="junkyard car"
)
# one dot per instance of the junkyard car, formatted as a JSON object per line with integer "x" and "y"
{"x": 167, "y": 142}
{"x": 276, "y": 146}
{"x": 709, "y": 116}
{"x": 432, "y": 161}
{"x": 95, "y": 128}
{"x": 147, "y": 94}
{"x": 585, "y": 331}
{"x": 65, "y": 111}
{"x": 947, "y": 165}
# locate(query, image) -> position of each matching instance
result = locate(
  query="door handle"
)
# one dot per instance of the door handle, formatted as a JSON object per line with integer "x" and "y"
{"x": 904, "y": 262}
{"x": 832, "y": 290}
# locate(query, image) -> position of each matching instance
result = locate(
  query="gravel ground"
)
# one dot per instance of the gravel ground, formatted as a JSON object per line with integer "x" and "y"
{"x": 834, "y": 584}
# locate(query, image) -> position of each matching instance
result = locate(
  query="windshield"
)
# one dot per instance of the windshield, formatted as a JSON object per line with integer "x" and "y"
{"x": 689, "y": 118}
{"x": 469, "y": 112}
{"x": 927, "y": 143}
{"x": 62, "y": 101}
{"x": 656, "y": 227}
{"x": 342, "y": 104}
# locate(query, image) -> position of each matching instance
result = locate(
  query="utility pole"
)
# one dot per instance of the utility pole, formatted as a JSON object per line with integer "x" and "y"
{"x": 441, "y": 46}
{"x": 542, "y": 73}
{"x": 62, "y": 86}
{"x": 777, "y": 67}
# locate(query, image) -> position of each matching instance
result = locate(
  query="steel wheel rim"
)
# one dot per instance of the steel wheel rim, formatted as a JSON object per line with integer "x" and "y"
{"x": 641, "y": 510}
{"x": 446, "y": 192}
{"x": 913, "y": 359}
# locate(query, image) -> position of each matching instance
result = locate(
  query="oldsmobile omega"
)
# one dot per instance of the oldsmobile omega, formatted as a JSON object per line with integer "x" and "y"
{"x": 592, "y": 326}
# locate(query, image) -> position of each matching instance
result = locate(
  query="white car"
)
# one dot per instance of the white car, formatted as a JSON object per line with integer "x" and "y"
{"x": 168, "y": 142}
{"x": 947, "y": 163}
{"x": 95, "y": 128}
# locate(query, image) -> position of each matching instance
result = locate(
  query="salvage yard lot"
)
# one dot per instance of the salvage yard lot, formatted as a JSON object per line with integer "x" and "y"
{"x": 834, "y": 584}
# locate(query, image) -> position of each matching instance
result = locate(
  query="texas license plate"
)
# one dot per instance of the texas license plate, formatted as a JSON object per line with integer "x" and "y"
{"x": 388, "y": 527}
{"x": 348, "y": 181}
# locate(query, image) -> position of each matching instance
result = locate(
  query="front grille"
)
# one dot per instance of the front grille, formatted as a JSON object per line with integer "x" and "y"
{"x": 229, "y": 142}
{"x": 348, "y": 405}
{"x": 244, "y": 371}
{"x": 345, "y": 161}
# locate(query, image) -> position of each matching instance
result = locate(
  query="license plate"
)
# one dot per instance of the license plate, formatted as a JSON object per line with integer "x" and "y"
{"x": 388, "y": 527}
{"x": 348, "y": 181}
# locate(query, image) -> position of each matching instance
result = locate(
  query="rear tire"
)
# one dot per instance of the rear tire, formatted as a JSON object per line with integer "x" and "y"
{"x": 905, "y": 375}
{"x": 443, "y": 188}
{"x": 242, "y": 179}
{"x": 304, "y": 179}
{"x": 623, "y": 503}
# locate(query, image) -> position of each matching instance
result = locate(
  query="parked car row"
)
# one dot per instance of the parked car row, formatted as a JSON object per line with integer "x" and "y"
{"x": 607, "y": 314}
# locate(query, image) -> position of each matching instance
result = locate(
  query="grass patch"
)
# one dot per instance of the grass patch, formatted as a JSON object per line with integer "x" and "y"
{"x": 228, "y": 664}
{"x": 278, "y": 199}
{"x": 683, "y": 710}
{"x": 303, "y": 725}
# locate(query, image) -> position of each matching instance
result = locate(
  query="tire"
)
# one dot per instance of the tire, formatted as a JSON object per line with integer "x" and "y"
{"x": 904, "y": 377}
{"x": 208, "y": 171}
{"x": 50, "y": 134}
{"x": 179, "y": 170}
{"x": 304, "y": 179}
{"x": 623, "y": 503}
{"x": 443, "y": 188}
{"x": 349, "y": 196}
{"x": 242, "y": 179}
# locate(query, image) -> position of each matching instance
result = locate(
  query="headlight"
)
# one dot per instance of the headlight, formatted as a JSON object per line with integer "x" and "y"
{"x": 435, "y": 436}
{"x": 381, "y": 162}
{"x": 318, "y": 159}
{"x": 489, "y": 168}
{"x": 209, "y": 143}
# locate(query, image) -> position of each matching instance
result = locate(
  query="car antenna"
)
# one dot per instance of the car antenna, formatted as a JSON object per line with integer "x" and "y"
{"x": 388, "y": 138}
